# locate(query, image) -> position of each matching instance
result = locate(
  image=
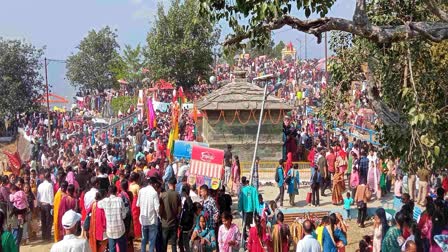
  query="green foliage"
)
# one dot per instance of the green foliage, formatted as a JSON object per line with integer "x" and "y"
{"x": 122, "y": 103}
{"x": 411, "y": 78}
{"x": 129, "y": 66}
{"x": 20, "y": 81}
{"x": 257, "y": 12}
{"x": 91, "y": 67}
{"x": 179, "y": 46}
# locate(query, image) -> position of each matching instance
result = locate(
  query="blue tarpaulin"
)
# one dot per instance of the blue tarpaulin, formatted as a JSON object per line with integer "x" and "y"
{"x": 182, "y": 149}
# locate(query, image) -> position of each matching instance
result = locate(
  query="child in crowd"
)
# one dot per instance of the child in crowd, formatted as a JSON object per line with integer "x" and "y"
{"x": 19, "y": 201}
{"x": 347, "y": 204}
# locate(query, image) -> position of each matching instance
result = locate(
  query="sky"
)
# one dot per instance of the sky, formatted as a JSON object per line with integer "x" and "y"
{"x": 60, "y": 25}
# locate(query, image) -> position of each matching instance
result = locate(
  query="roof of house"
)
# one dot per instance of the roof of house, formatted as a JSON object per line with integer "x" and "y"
{"x": 240, "y": 95}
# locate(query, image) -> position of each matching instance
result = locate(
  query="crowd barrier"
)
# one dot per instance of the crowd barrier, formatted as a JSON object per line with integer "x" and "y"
{"x": 267, "y": 169}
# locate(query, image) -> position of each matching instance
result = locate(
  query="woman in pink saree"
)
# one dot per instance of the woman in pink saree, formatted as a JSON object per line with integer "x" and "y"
{"x": 229, "y": 235}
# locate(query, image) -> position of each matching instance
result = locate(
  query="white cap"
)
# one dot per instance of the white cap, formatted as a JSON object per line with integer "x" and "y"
{"x": 70, "y": 218}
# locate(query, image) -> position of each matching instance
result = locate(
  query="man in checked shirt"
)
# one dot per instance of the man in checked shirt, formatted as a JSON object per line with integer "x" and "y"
{"x": 210, "y": 210}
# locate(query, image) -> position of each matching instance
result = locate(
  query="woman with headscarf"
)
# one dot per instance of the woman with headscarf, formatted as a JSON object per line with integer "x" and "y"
{"x": 338, "y": 187}
{"x": 203, "y": 238}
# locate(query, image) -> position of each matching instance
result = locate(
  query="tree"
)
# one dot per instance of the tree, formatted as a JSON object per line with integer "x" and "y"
{"x": 265, "y": 16}
{"x": 407, "y": 85}
{"x": 91, "y": 67}
{"x": 180, "y": 43}
{"x": 131, "y": 66}
{"x": 21, "y": 84}
{"x": 277, "y": 50}
{"x": 392, "y": 40}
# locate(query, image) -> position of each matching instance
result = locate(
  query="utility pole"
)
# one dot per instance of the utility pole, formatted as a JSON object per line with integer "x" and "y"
{"x": 48, "y": 102}
{"x": 306, "y": 53}
{"x": 326, "y": 78}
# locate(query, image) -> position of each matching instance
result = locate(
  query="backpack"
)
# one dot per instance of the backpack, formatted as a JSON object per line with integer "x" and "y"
{"x": 277, "y": 178}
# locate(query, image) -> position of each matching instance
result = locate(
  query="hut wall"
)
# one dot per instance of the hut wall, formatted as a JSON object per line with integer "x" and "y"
{"x": 241, "y": 134}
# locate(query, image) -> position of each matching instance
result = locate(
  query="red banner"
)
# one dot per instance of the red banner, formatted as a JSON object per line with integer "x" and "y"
{"x": 14, "y": 160}
{"x": 206, "y": 162}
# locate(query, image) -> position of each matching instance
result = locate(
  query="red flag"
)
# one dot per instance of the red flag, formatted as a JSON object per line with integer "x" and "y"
{"x": 14, "y": 160}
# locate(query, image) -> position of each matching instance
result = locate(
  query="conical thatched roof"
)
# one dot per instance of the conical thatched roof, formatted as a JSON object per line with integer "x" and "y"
{"x": 240, "y": 95}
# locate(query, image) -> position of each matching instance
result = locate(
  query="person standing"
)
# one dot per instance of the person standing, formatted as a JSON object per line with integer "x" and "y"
{"x": 70, "y": 221}
{"x": 45, "y": 197}
{"x": 411, "y": 184}
{"x": 423, "y": 177}
{"x": 148, "y": 201}
{"x": 227, "y": 165}
{"x": 170, "y": 209}
{"x": 361, "y": 203}
{"x": 315, "y": 184}
{"x": 247, "y": 204}
{"x": 280, "y": 179}
{"x": 228, "y": 235}
{"x": 325, "y": 181}
{"x": 186, "y": 219}
{"x": 211, "y": 212}
{"x": 236, "y": 175}
{"x": 115, "y": 212}
{"x": 363, "y": 168}
{"x": 294, "y": 182}
{"x": 308, "y": 243}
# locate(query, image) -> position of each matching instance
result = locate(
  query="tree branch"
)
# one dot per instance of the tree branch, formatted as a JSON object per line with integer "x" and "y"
{"x": 432, "y": 6}
{"x": 435, "y": 31}
{"x": 360, "y": 16}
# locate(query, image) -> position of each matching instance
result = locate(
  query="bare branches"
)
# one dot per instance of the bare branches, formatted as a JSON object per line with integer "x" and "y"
{"x": 435, "y": 31}
{"x": 432, "y": 6}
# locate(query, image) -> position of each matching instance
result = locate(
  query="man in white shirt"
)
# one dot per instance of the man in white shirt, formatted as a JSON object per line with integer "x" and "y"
{"x": 71, "y": 243}
{"x": 89, "y": 197}
{"x": 308, "y": 243}
{"x": 148, "y": 201}
{"x": 45, "y": 197}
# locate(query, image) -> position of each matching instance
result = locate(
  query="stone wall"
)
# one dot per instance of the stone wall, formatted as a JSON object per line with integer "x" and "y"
{"x": 241, "y": 133}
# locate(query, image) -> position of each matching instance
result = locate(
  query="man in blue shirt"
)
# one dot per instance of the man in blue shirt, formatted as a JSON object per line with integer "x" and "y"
{"x": 280, "y": 183}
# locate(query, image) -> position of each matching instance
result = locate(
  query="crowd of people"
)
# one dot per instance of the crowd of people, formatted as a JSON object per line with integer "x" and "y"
{"x": 89, "y": 190}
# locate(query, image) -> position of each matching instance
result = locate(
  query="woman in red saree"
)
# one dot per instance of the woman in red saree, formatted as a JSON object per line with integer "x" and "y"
{"x": 338, "y": 187}
{"x": 97, "y": 228}
{"x": 68, "y": 202}
{"x": 134, "y": 188}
